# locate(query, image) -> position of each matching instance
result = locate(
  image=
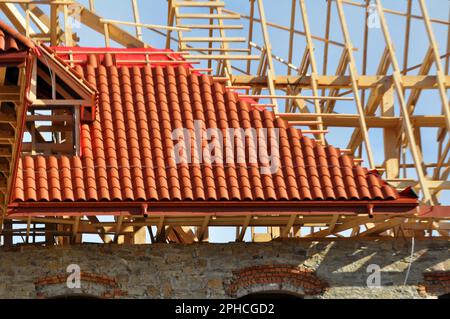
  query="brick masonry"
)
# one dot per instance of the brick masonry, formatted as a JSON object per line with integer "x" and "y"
{"x": 324, "y": 269}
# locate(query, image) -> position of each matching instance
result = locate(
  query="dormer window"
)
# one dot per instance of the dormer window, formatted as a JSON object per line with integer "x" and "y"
{"x": 52, "y": 130}
{"x": 61, "y": 101}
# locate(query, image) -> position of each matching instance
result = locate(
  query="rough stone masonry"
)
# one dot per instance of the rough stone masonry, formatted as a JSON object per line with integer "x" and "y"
{"x": 307, "y": 269}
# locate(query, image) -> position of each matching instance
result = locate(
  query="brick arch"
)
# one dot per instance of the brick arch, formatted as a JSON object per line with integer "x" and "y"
{"x": 275, "y": 278}
{"x": 92, "y": 286}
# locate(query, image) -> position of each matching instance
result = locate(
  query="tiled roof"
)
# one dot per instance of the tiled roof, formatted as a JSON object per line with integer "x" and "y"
{"x": 126, "y": 151}
{"x": 11, "y": 40}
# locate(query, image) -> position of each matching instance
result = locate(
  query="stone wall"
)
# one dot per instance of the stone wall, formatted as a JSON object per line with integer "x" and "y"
{"x": 324, "y": 269}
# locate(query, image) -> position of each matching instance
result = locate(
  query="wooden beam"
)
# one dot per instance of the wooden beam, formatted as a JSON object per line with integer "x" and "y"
{"x": 93, "y": 21}
{"x": 16, "y": 17}
{"x": 287, "y": 229}
{"x": 354, "y": 78}
{"x": 244, "y": 228}
{"x": 415, "y": 152}
{"x": 339, "y": 81}
{"x": 346, "y": 225}
{"x": 100, "y": 230}
{"x": 313, "y": 65}
{"x": 160, "y": 233}
{"x": 203, "y": 230}
{"x": 9, "y": 90}
{"x": 268, "y": 50}
{"x": 437, "y": 63}
{"x": 382, "y": 226}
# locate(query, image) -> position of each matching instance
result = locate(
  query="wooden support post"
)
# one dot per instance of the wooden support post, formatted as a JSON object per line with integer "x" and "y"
{"x": 92, "y": 6}
{"x": 286, "y": 230}
{"x": 67, "y": 27}
{"x": 118, "y": 237}
{"x": 327, "y": 36}
{"x": 160, "y": 230}
{"x": 76, "y": 238}
{"x": 137, "y": 19}
{"x": 27, "y": 19}
{"x": 7, "y": 233}
{"x": 391, "y": 149}
{"x": 407, "y": 37}
{"x": 241, "y": 235}
{"x": 50, "y": 228}
{"x": 415, "y": 152}
{"x": 291, "y": 36}
{"x": 170, "y": 21}
{"x": 250, "y": 33}
{"x": 224, "y": 45}
{"x": 54, "y": 24}
{"x": 202, "y": 232}
{"x": 106, "y": 33}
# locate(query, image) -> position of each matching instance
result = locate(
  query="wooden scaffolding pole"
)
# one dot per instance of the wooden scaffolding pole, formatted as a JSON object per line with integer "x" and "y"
{"x": 397, "y": 78}
{"x": 437, "y": 63}
{"x": 268, "y": 51}
{"x": 355, "y": 88}
{"x": 314, "y": 71}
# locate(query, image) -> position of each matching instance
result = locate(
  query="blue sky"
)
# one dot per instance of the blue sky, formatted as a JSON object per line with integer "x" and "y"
{"x": 155, "y": 12}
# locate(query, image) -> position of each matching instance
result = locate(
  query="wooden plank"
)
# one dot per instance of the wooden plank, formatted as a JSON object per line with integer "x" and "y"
{"x": 340, "y": 81}
{"x": 433, "y": 184}
{"x": 51, "y": 118}
{"x": 213, "y": 39}
{"x": 143, "y": 25}
{"x": 64, "y": 102}
{"x": 200, "y": 4}
{"x": 210, "y": 26}
{"x": 208, "y": 16}
{"x": 10, "y": 93}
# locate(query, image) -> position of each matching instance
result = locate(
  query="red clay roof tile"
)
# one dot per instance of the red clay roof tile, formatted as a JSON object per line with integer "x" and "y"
{"x": 12, "y": 40}
{"x": 126, "y": 151}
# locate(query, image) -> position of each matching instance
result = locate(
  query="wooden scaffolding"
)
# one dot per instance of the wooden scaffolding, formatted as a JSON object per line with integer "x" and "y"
{"x": 303, "y": 82}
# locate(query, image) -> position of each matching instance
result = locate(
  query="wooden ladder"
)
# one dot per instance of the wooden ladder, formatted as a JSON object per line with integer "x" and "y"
{"x": 207, "y": 40}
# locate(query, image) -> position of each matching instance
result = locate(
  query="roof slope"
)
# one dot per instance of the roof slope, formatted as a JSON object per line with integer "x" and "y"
{"x": 126, "y": 151}
{"x": 12, "y": 40}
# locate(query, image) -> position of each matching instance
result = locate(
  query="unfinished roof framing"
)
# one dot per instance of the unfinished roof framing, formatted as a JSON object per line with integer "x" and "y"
{"x": 294, "y": 85}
